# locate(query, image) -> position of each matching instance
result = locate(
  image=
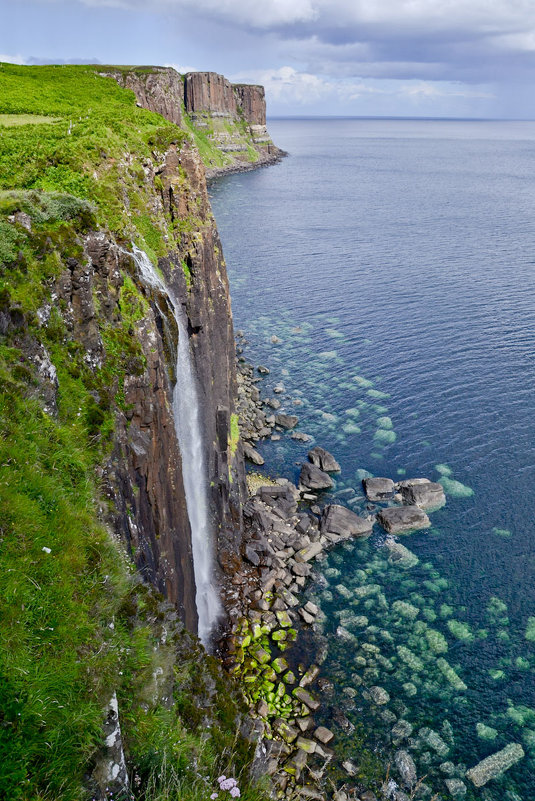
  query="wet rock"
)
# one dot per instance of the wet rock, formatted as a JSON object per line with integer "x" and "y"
{"x": 311, "y": 608}
{"x": 402, "y": 730}
{"x": 314, "y": 478}
{"x": 406, "y": 767}
{"x": 378, "y": 489}
{"x": 306, "y": 698}
{"x": 306, "y": 745}
{"x": 300, "y": 436}
{"x": 308, "y": 553}
{"x": 401, "y": 519}
{"x": 307, "y": 617}
{"x": 262, "y": 370}
{"x": 324, "y": 460}
{"x": 379, "y": 695}
{"x": 287, "y": 421}
{"x": 496, "y": 764}
{"x": 456, "y": 787}
{"x": 428, "y": 495}
{"x": 323, "y": 734}
{"x": 273, "y": 403}
{"x": 339, "y": 520}
{"x": 279, "y": 388}
{"x": 350, "y": 767}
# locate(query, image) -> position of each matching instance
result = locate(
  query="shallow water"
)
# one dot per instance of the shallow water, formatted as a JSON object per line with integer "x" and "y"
{"x": 394, "y": 261}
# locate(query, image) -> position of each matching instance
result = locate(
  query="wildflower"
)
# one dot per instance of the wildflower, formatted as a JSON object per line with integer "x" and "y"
{"x": 214, "y": 795}
{"x": 235, "y": 792}
{"x": 228, "y": 784}
{"x": 221, "y": 779}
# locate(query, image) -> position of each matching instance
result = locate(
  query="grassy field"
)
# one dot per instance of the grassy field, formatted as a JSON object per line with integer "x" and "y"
{"x": 10, "y": 120}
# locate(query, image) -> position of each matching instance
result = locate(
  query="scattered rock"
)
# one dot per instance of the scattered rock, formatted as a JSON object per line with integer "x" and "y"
{"x": 324, "y": 735}
{"x": 262, "y": 370}
{"x": 401, "y": 519}
{"x": 339, "y": 520}
{"x": 496, "y": 764}
{"x": 287, "y": 421}
{"x": 426, "y": 495}
{"x": 378, "y": 489}
{"x": 252, "y": 455}
{"x": 379, "y": 695}
{"x": 406, "y": 767}
{"x": 300, "y": 436}
{"x": 324, "y": 460}
{"x": 314, "y": 478}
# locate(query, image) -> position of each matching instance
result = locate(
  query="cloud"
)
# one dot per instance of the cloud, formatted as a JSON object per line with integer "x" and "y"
{"x": 9, "y": 59}
{"x": 303, "y": 88}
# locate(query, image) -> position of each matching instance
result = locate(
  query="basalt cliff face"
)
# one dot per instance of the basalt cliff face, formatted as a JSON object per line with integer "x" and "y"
{"x": 227, "y": 120}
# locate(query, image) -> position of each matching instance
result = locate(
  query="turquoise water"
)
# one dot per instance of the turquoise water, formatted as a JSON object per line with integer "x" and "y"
{"x": 394, "y": 260}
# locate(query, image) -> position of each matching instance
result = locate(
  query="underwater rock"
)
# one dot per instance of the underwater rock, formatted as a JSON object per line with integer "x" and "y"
{"x": 456, "y": 787}
{"x": 324, "y": 460}
{"x": 402, "y": 519}
{"x": 402, "y": 730}
{"x": 379, "y": 695}
{"x": 400, "y": 555}
{"x": 495, "y": 765}
{"x": 339, "y": 520}
{"x": 406, "y": 767}
{"x": 426, "y": 495}
{"x": 314, "y": 478}
{"x": 378, "y": 489}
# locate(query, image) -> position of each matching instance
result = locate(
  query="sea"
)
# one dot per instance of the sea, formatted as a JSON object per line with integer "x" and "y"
{"x": 384, "y": 272}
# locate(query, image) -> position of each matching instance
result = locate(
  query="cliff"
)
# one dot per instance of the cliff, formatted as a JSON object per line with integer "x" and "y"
{"x": 227, "y": 121}
{"x": 90, "y": 443}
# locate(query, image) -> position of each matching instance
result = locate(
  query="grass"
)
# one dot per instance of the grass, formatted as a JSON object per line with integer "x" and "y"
{"x": 10, "y": 120}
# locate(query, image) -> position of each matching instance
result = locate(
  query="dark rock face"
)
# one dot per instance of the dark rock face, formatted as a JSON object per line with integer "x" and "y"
{"x": 401, "y": 519}
{"x": 323, "y": 459}
{"x": 378, "y": 489}
{"x": 252, "y": 101}
{"x": 428, "y": 495}
{"x": 314, "y": 478}
{"x": 208, "y": 91}
{"x": 339, "y": 520}
{"x": 160, "y": 90}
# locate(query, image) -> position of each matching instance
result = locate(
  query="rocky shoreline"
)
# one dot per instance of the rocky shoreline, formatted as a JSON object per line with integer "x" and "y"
{"x": 264, "y": 160}
{"x": 286, "y": 531}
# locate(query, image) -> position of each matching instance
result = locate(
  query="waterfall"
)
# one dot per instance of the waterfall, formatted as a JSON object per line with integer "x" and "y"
{"x": 189, "y": 435}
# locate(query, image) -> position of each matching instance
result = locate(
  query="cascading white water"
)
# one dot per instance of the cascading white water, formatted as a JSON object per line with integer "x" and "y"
{"x": 188, "y": 430}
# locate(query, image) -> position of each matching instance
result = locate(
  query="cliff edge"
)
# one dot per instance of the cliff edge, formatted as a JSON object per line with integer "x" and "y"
{"x": 227, "y": 121}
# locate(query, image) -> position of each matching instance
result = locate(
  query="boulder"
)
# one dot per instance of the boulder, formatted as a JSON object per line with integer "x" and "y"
{"x": 252, "y": 455}
{"x": 378, "y": 489}
{"x": 425, "y": 494}
{"x": 286, "y": 421}
{"x": 314, "y": 478}
{"x": 324, "y": 735}
{"x": 324, "y": 460}
{"x": 495, "y": 765}
{"x": 339, "y": 520}
{"x": 401, "y": 519}
{"x": 406, "y": 767}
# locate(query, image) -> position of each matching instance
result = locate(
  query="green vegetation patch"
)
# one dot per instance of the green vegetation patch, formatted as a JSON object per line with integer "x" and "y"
{"x": 11, "y": 120}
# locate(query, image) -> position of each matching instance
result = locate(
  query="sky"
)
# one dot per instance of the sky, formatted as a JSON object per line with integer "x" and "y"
{"x": 409, "y": 58}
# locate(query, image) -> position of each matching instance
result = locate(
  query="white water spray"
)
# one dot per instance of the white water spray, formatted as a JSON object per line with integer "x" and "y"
{"x": 188, "y": 430}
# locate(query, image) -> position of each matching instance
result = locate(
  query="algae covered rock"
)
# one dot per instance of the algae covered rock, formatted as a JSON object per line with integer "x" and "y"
{"x": 496, "y": 764}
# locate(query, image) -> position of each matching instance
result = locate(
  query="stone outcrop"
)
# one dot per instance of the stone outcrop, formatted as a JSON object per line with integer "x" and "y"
{"x": 209, "y": 92}
{"x": 158, "y": 89}
{"x": 402, "y": 519}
